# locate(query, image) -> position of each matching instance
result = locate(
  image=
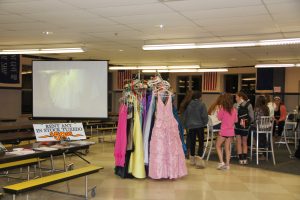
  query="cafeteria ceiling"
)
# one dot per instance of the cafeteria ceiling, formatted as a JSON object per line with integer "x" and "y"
{"x": 116, "y": 30}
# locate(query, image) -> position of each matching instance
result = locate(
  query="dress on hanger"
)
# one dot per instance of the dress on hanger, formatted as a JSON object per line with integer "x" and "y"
{"x": 147, "y": 129}
{"x": 136, "y": 163}
{"x": 166, "y": 154}
{"x": 121, "y": 138}
{"x": 180, "y": 128}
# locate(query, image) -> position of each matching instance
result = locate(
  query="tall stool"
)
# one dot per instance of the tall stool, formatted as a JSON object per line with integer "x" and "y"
{"x": 209, "y": 140}
{"x": 263, "y": 126}
{"x": 289, "y": 134}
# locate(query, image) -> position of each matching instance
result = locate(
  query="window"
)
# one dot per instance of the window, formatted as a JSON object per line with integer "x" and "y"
{"x": 185, "y": 83}
{"x": 248, "y": 85}
{"x": 231, "y": 83}
{"x": 27, "y": 91}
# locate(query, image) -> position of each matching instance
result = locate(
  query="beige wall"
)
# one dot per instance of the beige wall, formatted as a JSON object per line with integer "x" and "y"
{"x": 10, "y": 101}
{"x": 292, "y": 78}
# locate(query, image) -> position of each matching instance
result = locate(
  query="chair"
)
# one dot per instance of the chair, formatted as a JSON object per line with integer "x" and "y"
{"x": 289, "y": 134}
{"x": 263, "y": 126}
{"x": 210, "y": 137}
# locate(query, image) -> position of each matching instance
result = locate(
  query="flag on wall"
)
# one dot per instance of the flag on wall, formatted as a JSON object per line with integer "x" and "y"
{"x": 210, "y": 81}
{"x": 122, "y": 76}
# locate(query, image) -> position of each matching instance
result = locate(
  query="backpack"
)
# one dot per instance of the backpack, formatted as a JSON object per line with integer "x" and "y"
{"x": 244, "y": 119}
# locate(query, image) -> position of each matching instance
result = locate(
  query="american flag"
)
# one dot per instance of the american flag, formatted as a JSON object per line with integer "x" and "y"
{"x": 210, "y": 81}
{"x": 122, "y": 76}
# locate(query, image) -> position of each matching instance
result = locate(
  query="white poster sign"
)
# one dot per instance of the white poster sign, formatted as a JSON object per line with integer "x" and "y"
{"x": 59, "y": 131}
{"x": 277, "y": 89}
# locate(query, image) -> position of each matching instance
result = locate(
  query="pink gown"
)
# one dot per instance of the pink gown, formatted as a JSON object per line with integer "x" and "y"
{"x": 166, "y": 154}
{"x": 121, "y": 138}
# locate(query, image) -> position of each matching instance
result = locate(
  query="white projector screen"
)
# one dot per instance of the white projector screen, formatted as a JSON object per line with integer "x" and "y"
{"x": 69, "y": 89}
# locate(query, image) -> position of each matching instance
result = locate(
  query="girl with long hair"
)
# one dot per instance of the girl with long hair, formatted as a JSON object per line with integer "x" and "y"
{"x": 213, "y": 110}
{"x": 228, "y": 117}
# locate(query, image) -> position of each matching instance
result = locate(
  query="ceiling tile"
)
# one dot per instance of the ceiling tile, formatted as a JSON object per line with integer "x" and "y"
{"x": 91, "y": 4}
{"x": 258, "y": 19}
{"x": 166, "y": 19}
{"x": 25, "y": 7}
{"x": 106, "y": 26}
{"x": 120, "y": 11}
{"x": 226, "y": 12}
{"x": 211, "y": 4}
{"x": 12, "y": 18}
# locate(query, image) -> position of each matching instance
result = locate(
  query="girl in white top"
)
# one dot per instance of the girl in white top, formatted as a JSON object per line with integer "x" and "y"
{"x": 213, "y": 112}
{"x": 271, "y": 105}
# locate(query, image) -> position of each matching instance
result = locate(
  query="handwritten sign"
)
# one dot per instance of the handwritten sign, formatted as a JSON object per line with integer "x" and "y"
{"x": 277, "y": 89}
{"x": 59, "y": 131}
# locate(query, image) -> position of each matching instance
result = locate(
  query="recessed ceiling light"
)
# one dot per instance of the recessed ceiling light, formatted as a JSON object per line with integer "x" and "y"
{"x": 47, "y": 32}
{"x": 121, "y": 50}
{"x": 161, "y": 26}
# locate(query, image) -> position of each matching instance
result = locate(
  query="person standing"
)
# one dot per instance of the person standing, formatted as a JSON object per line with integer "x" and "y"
{"x": 271, "y": 105}
{"x": 279, "y": 114}
{"x": 182, "y": 107}
{"x": 245, "y": 119}
{"x": 196, "y": 119}
{"x": 213, "y": 110}
{"x": 228, "y": 117}
{"x": 261, "y": 109}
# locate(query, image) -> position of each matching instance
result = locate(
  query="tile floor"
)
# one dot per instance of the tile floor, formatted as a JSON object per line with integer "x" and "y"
{"x": 239, "y": 183}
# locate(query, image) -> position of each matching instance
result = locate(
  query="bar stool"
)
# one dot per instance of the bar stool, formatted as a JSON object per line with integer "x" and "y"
{"x": 289, "y": 134}
{"x": 211, "y": 134}
{"x": 263, "y": 126}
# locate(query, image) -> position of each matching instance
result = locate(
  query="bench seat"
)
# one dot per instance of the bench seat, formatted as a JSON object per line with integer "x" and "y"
{"x": 50, "y": 180}
{"x": 19, "y": 164}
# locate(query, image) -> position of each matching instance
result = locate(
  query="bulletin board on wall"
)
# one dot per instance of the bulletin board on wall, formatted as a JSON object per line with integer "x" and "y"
{"x": 10, "y": 71}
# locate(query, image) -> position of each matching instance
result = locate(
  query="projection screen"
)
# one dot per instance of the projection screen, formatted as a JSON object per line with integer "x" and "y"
{"x": 69, "y": 89}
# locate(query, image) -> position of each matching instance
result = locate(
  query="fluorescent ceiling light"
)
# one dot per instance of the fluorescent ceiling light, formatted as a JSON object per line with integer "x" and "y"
{"x": 186, "y": 70}
{"x": 248, "y": 79}
{"x": 279, "y": 42}
{"x": 226, "y": 45}
{"x": 223, "y": 44}
{"x": 213, "y": 70}
{"x": 154, "y": 67}
{"x": 275, "y": 65}
{"x": 42, "y": 51}
{"x": 184, "y": 67}
{"x": 170, "y": 46}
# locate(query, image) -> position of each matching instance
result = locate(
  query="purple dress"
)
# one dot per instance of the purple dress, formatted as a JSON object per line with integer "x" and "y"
{"x": 166, "y": 155}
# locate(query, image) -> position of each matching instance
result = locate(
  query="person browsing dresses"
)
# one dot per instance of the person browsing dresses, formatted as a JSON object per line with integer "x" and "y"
{"x": 196, "y": 119}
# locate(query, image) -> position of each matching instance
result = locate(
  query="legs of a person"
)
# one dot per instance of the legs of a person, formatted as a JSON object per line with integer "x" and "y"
{"x": 188, "y": 143}
{"x": 227, "y": 150}
{"x": 244, "y": 149}
{"x": 239, "y": 145}
{"x": 280, "y": 127}
{"x": 219, "y": 143}
{"x": 244, "y": 144}
{"x": 200, "y": 134}
{"x": 262, "y": 143}
{"x": 192, "y": 137}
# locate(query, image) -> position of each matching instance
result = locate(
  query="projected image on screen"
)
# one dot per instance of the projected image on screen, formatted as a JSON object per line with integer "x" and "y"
{"x": 70, "y": 89}
{"x": 66, "y": 87}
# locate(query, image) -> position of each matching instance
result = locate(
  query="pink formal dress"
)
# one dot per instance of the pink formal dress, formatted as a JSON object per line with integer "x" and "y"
{"x": 166, "y": 154}
{"x": 121, "y": 138}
